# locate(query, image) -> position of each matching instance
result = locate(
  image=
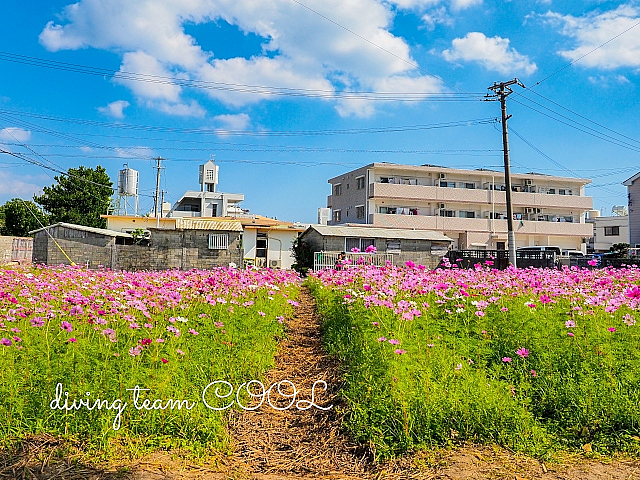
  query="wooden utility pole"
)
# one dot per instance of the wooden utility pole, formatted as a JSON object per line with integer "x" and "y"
{"x": 501, "y": 92}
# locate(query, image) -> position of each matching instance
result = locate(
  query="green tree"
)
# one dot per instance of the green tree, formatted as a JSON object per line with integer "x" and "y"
{"x": 303, "y": 255}
{"x": 18, "y": 217}
{"x": 79, "y": 197}
{"x": 620, "y": 250}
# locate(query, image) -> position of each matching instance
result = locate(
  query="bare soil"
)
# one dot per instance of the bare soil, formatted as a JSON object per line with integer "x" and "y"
{"x": 303, "y": 444}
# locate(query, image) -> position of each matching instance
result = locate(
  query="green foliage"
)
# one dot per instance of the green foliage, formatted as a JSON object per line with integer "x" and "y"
{"x": 620, "y": 250}
{"x": 234, "y": 346}
{"x": 18, "y": 217}
{"x": 79, "y": 197}
{"x": 303, "y": 255}
{"x": 454, "y": 383}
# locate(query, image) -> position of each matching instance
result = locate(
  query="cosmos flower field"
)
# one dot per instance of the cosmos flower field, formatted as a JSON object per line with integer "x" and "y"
{"x": 91, "y": 337}
{"x": 538, "y": 361}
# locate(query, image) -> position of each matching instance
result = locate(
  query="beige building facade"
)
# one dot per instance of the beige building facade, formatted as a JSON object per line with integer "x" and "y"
{"x": 468, "y": 206}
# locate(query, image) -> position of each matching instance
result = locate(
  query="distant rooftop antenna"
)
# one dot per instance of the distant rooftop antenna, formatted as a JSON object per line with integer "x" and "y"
{"x": 127, "y": 198}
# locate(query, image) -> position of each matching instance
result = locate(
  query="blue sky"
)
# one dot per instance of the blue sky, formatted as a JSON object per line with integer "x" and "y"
{"x": 275, "y": 91}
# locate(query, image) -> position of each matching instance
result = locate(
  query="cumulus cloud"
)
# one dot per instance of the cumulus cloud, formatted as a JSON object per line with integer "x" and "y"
{"x": 594, "y": 29}
{"x": 234, "y": 122}
{"x": 300, "y": 49}
{"x": 492, "y": 53}
{"x": 115, "y": 109}
{"x": 15, "y": 134}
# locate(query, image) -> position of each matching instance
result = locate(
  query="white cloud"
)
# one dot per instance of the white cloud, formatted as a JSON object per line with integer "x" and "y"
{"x": 301, "y": 50}
{"x": 14, "y": 134}
{"x": 114, "y": 109}
{"x": 435, "y": 17}
{"x": 234, "y": 122}
{"x": 492, "y": 53}
{"x": 422, "y": 4}
{"x": 23, "y": 186}
{"x": 594, "y": 29}
{"x": 607, "y": 81}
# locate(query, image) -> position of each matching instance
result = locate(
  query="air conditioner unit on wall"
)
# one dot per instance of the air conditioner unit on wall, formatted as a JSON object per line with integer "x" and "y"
{"x": 275, "y": 263}
{"x": 442, "y": 205}
{"x": 529, "y": 210}
{"x": 527, "y": 182}
{"x": 442, "y": 175}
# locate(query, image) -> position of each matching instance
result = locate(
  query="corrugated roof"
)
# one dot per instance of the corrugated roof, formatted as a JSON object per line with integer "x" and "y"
{"x": 378, "y": 232}
{"x": 198, "y": 224}
{"x": 99, "y": 231}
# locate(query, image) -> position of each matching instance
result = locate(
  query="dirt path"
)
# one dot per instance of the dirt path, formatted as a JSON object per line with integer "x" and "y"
{"x": 295, "y": 444}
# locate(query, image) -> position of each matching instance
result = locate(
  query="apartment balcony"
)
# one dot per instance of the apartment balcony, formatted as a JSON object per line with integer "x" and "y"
{"x": 423, "y": 193}
{"x": 455, "y": 224}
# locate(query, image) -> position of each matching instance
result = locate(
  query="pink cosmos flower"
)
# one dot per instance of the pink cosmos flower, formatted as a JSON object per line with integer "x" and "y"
{"x": 148, "y": 325}
{"x": 262, "y": 314}
{"x": 593, "y": 262}
{"x": 533, "y": 373}
{"x": 382, "y": 339}
{"x": 371, "y": 249}
{"x": 66, "y": 326}
{"x": 570, "y": 334}
{"x": 569, "y": 324}
{"x": 458, "y": 366}
{"x": 480, "y": 313}
{"x": 355, "y": 250}
{"x": 179, "y": 351}
{"x": 193, "y": 332}
{"x": 611, "y": 329}
{"x": 164, "y": 360}
{"x": 410, "y": 264}
{"x": 400, "y": 351}
{"x": 522, "y": 352}
{"x": 393, "y": 341}
{"x": 6, "y": 342}
{"x": 135, "y": 351}
{"x": 506, "y": 359}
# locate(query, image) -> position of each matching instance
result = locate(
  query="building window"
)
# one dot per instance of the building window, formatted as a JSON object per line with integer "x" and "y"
{"x": 218, "y": 241}
{"x": 611, "y": 231}
{"x": 360, "y": 183}
{"x": 359, "y": 243}
{"x": 447, "y": 213}
{"x": 337, "y": 215}
{"x": 447, "y": 184}
{"x": 360, "y": 211}
{"x": 337, "y": 189}
{"x": 470, "y": 185}
{"x": 463, "y": 214}
{"x": 551, "y": 191}
{"x": 389, "y": 210}
{"x": 393, "y": 246}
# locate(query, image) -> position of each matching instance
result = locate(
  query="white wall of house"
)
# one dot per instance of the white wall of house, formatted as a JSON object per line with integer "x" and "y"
{"x": 608, "y": 231}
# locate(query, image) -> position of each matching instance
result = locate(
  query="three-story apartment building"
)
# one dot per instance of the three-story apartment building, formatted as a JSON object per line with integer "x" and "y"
{"x": 468, "y": 206}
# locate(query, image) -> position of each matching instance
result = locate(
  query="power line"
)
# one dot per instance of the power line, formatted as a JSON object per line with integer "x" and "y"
{"x": 596, "y": 135}
{"x": 582, "y": 116}
{"x": 558, "y": 164}
{"x": 583, "y": 56}
{"x": 284, "y": 133}
{"x": 242, "y": 88}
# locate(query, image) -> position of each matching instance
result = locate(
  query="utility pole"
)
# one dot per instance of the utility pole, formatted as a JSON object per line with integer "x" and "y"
{"x": 501, "y": 92}
{"x": 157, "y": 195}
{"x": 162, "y": 202}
